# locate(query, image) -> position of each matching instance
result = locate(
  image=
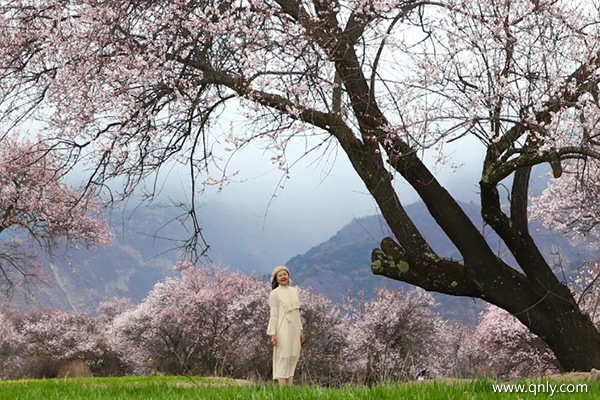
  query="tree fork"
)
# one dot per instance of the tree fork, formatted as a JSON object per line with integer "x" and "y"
{"x": 568, "y": 332}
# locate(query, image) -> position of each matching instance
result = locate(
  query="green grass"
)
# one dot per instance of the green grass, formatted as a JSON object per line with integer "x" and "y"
{"x": 181, "y": 388}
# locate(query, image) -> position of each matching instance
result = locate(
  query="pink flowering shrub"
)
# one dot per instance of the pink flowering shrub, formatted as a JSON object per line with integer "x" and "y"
{"x": 394, "y": 335}
{"x": 326, "y": 330}
{"x": 11, "y": 359}
{"x": 586, "y": 285}
{"x": 506, "y": 348}
{"x": 208, "y": 321}
{"x": 47, "y": 341}
{"x": 211, "y": 321}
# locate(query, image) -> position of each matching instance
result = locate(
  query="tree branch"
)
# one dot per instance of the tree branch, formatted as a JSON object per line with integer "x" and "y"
{"x": 440, "y": 275}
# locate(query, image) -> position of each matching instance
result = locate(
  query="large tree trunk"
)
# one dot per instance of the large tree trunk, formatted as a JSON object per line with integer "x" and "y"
{"x": 535, "y": 296}
{"x": 569, "y": 333}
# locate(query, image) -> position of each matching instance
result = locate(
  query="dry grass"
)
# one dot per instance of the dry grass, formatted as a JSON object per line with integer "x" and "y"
{"x": 74, "y": 369}
{"x": 570, "y": 377}
{"x": 215, "y": 382}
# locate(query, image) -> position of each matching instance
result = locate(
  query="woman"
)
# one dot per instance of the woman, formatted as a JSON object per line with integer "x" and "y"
{"x": 285, "y": 327}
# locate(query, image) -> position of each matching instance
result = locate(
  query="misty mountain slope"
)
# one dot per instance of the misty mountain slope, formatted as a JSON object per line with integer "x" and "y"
{"x": 341, "y": 265}
{"x": 248, "y": 242}
{"x": 140, "y": 255}
{"x": 137, "y": 259}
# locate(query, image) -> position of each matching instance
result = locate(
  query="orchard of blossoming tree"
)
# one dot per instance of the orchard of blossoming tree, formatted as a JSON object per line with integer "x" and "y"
{"x": 128, "y": 87}
{"x": 211, "y": 321}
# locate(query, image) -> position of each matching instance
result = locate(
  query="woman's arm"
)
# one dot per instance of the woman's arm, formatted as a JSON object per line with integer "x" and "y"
{"x": 274, "y": 314}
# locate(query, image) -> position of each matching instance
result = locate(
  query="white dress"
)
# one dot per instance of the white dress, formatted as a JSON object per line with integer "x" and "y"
{"x": 286, "y": 324}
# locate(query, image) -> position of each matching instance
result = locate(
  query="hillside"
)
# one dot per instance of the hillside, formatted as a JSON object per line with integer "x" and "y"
{"x": 143, "y": 253}
{"x": 139, "y": 257}
{"x": 341, "y": 265}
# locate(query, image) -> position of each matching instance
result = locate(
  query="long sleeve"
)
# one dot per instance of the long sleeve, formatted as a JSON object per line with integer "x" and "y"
{"x": 298, "y": 301}
{"x": 274, "y": 314}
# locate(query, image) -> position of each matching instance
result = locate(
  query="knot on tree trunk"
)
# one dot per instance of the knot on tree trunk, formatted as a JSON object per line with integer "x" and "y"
{"x": 391, "y": 256}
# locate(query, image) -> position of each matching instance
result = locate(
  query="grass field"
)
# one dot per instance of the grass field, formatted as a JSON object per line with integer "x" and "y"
{"x": 182, "y": 388}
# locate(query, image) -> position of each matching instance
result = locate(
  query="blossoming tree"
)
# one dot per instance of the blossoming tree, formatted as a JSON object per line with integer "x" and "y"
{"x": 508, "y": 348}
{"x": 327, "y": 332}
{"x": 37, "y": 207}
{"x": 395, "y": 335}
{"x": 208, "y": 321}
{"x": 49, "y": 340}
{"x": 131, "y": 85}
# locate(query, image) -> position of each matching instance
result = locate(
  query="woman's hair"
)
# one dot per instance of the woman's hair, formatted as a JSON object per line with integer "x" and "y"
{"x": 274, "y": 283}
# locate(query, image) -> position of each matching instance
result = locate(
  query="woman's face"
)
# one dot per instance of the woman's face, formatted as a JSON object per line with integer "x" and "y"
{"x": 283, "y": 278}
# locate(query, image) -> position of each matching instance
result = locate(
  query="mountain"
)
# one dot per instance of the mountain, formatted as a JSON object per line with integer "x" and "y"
{"x": 341, "y": 265}
{"x": 140, "y": 256}
{"x": 143, "y": 253}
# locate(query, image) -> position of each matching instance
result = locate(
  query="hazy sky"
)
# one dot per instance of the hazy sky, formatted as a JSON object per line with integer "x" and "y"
{"x": 322, "y": 194}
{"x": 322, "y": 197}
